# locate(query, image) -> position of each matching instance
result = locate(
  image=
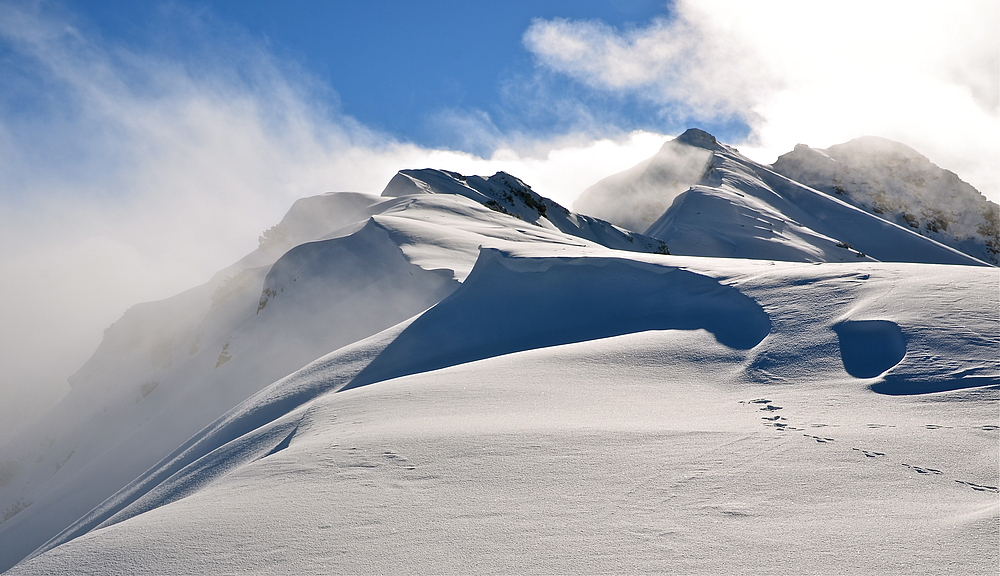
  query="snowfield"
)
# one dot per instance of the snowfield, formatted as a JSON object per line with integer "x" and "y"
{"x": 461, "y": 376}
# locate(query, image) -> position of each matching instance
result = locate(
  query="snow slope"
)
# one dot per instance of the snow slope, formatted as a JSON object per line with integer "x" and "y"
{"x": 898, "y": 184}
{"x": 730, "y": 206}
{"x": 336, "y": 269}
{"x": 462, "y": 376}
{"x": 718, "y": 428}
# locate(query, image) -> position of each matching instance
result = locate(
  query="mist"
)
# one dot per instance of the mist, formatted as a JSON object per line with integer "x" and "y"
{"x": 635, "y": 198}
{"x": 130, "y": 175}
{"x": 812, "y": 73}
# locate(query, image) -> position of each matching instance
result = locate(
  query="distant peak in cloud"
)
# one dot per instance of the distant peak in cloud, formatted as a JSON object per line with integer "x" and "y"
{"x": 809, "y": 72}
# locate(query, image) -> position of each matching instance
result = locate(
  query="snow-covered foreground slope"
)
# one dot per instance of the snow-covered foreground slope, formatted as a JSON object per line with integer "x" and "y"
{"x": 704, "y": 198}
{"x": 337, "y": 269}
{"x": 461, "y": 375}
{"x": 669, "y": 414}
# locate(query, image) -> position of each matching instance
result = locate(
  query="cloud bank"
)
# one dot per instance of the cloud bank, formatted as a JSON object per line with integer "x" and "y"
{"x": 819, "y": 73}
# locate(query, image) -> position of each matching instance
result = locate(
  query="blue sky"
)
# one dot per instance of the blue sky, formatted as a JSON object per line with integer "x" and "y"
{"x": 145, "y": 145}
{"x": 479, "y": 77}
{"x": 420, "y": 71}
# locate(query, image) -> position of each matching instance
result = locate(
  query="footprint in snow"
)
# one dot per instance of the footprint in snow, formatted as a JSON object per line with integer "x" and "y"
{"x": 979, "y": 487}
{"x": 920, "y": 470}
{"x": 819, "y": 439}
{"x": 869, "y": 453}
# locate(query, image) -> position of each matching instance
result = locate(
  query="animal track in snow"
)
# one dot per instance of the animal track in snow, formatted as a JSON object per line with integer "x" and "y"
{"x": 920, "y": 470}
{"x": 767, "y": 406}
{"x": 979, "y": 487}
{"x": 881, "y": 425}
{"x": 772, "y": 421}
{"x": 819, "y": 439}
{"x": 936, "y": 426}
{"x": 869, "y": 453}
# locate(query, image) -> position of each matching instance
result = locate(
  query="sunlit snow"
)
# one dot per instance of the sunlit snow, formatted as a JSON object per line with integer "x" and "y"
{"x": 462, "y": 376}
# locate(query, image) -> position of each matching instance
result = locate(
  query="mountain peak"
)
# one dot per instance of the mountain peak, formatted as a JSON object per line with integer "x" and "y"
{"x": 699, "y": 139}
{"x": 876, "y": 149}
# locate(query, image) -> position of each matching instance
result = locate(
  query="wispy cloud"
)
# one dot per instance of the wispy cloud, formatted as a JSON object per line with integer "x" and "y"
{"x": 672, "y": 62}
{"x": 129, "y": 174}
{"x": 815, "y": 72}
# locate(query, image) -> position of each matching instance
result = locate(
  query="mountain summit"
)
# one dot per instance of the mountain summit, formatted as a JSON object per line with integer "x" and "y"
{"x": 706, "y": 199}
{"x": 897, "y": 183}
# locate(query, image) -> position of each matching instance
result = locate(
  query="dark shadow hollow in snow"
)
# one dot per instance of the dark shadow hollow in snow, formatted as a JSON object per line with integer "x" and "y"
{"x": 904, "y": 385}
{"x": 284, "y": 443}
{"x": 514, "y": 304}
{"x": 870, "y": 347}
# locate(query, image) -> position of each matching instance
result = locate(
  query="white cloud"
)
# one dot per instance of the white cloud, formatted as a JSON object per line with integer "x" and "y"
{"x": 130, "y": 176}
{"x": 926, "y": 74}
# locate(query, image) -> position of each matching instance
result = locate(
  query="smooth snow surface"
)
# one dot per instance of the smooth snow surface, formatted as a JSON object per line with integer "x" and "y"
{"x": 461, "y": 376}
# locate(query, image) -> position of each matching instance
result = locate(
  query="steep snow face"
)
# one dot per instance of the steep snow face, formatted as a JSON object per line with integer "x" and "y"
{"x": 737, "y": 208}
{"x": 535, "y": 303}
{"x": 895, "y": 182}
{"x": 509, "y": 195}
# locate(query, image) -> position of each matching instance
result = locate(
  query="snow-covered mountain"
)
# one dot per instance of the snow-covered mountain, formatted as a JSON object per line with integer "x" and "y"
{"x": 338, "y": 268}
{"x": 460, "y": 375}
{"x": 897, "y": 183}
{"x": 704, "y": 198}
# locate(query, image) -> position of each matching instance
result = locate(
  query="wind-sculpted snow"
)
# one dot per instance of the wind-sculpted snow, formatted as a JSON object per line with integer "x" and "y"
{"x": 336, "y": 269}
{"x": 815, "y": 326}
{"x": 512, "y": 304}
{"x": 458, "y": 316}
{"x": 506, "y": 305}
{"x": 870, "y": 347}
{"x": 318, "y": 297}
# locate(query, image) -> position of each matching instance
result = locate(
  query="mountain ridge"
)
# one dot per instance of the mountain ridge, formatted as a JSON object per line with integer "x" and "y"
{"x": 362, "y": 319}
{"x": 706, "y": 199}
